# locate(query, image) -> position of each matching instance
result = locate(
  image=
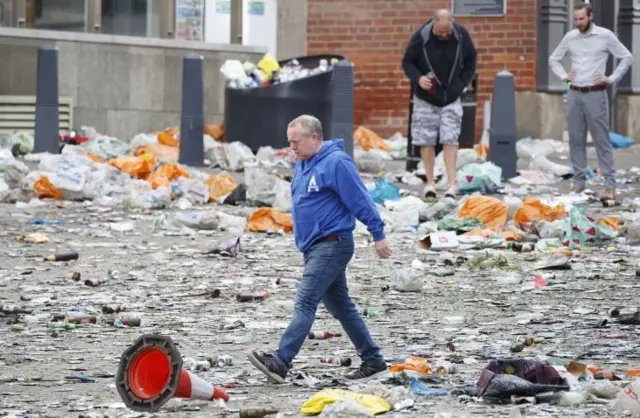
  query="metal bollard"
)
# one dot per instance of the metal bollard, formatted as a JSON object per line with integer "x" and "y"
{"x": 192, "y": 117}
{"x": 502, "y": 137}
{"x": 342, "y": 107}
{"x": 47, "y": 124}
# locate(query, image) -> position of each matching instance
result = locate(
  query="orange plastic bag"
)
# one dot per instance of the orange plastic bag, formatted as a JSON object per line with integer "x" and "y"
{"x": 215, "y": 131}
{"x": 46, "y": 190}
{"x": 613, "y": 222}
{"x": 482, "y": 151}
{"x": 269, "y": 219}
{"x": 167, "y": 173}
{"x": 159, "y": 151}
{"x": 220, "y": 185}
{"x": 139, "y": 167}
{"x": 534, "y": 210}
{"x": 368, "y": 140}
{"x": 168, "y": 137}
{"x": 95, "y": 158}
{"x": 488, "y": 233}
{"x": 490, "y": 211}
{"x": 416, "y": 364}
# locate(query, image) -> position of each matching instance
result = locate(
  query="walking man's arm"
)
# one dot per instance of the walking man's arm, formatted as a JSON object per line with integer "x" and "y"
{"x": 356, "y": 198}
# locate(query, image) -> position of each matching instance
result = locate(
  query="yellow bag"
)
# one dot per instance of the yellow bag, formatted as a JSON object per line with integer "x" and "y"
{"x": 316, "y": 404}
{"x": 268, "y": 65}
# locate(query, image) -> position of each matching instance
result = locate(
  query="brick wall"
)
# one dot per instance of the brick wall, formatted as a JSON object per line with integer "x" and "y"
{"x": 375, "y": 33}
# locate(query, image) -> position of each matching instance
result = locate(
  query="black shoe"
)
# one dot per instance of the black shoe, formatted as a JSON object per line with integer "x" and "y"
{"x": 268, "y": 365}
{"x": 367, "y": 371}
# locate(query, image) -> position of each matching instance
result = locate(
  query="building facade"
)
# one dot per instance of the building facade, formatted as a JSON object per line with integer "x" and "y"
{"x": 374, "y": 34}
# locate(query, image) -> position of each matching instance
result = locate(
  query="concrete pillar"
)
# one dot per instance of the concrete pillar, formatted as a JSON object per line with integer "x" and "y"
{"x": 553, "y": 23}
{"x": 47, "y": 130}
{"x": 235, "y": 27}
{"x": 629, "y": 34}
{"x": 192, "y": 118}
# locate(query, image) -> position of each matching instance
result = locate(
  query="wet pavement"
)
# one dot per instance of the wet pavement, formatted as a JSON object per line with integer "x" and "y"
{"x": 461, "y": 314}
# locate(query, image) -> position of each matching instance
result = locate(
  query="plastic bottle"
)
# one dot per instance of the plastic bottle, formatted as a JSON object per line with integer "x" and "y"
{"x": 323, "y": 335}
{"x": 248, "y": 297}
{"x": 93, "y": 282}
{"x": 369, "y": 313}
{"x": 62, "y": 256}
{"x": 338, "y": 361}
{"x": 257, "y": 413}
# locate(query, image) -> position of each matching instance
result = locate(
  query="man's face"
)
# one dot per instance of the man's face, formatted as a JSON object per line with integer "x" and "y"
{"x": 442, "y": 29}
{"x": 303, "y": 145}
{"x": 582, "y": 20}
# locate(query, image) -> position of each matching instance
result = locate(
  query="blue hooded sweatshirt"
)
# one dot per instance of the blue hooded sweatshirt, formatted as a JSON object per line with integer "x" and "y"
{"x": 328, "y": 195}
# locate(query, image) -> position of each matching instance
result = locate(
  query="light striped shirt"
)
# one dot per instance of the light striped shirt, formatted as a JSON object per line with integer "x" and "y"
{"x": 589, "y": 54}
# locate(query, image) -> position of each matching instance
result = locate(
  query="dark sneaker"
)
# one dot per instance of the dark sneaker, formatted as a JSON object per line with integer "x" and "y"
{"x": 367, "y": 371}
{"x": 268, "y": 365}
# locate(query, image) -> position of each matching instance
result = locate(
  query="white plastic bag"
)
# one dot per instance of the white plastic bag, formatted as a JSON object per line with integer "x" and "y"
{"x": 406, "y": 280}
{"x": 368, "y": 161}
{"x": 140, "y": 194}
{"x": 194, "y": 190}
{"x": 237, "y": 154}
{"x": 231, "y": 223}
{"x": 545, "y": 165}
{"x": 282, "y": 195}
{"x": 485, "y": 177}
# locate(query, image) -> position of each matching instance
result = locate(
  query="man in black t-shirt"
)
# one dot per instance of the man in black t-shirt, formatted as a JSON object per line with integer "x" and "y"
{"x": 440, "y": 61}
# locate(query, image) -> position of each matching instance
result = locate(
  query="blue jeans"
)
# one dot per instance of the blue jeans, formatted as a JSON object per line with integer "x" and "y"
{"x": 324, "y": 279}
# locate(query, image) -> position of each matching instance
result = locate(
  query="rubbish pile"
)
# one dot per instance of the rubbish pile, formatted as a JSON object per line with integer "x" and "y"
{"x": 516, "y": 299}
{"x": 267, "y": 71}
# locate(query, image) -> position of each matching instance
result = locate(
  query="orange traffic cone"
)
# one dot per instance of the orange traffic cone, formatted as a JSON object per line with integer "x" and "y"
{"x": 151, "y": 373}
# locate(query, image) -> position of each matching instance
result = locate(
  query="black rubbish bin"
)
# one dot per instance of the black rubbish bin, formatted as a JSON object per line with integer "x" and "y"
{"x": 469, "y": 101}
{"x": 259, "y": 116}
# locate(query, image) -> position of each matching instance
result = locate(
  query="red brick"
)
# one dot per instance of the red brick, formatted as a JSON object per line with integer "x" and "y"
{"x": 374, "y": 33}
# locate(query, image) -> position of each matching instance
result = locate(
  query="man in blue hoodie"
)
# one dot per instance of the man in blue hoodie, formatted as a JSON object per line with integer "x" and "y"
{"x": 327, "y": 195}
{"x": 440, "y": 62}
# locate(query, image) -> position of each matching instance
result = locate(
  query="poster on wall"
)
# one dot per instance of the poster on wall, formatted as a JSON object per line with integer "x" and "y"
{"x": 190, "y": 20}
{"x": 256, "y": 8}
{"x": 479, "y": 7}
{"x": 223, "y": 7}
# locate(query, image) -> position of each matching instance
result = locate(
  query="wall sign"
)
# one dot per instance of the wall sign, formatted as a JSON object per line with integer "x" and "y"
{"x": 479, "y": 7}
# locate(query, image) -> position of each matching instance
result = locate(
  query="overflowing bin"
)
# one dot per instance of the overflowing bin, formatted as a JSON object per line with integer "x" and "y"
{"x": 259, "y": 116}
{"x": 469, "y": 99}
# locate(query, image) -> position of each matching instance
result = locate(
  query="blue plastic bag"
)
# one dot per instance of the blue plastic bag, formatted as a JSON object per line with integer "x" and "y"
{"x": 385, "y": 190}
{"x": 485, "y": 178}
{"x": 620, "y": 141}
{"x": 420, "y": 388}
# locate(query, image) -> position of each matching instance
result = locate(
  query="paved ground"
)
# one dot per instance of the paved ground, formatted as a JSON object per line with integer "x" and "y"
{"x": 163, "y": 276}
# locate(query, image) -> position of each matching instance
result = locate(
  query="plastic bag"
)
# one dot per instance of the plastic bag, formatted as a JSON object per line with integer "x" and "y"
{"x": 234, "y": 72}
{"x": 268, "y": 65}
{"x": 282, "y": 196}
{"x": 366, "y": 139}
{"x": 231, "y": 223}
{"x": 344, "y": 409}
{"x": 543, "y": 164}
{"x": 488, "y": 210}
{"x": 193, "y": 189}
{"x": 406, "y": 280}
{"x": 140, "y": 194}
{"x": 368, "y": 162}
{"x": 533, "y": 209}
{"x": 584, "y": 231}
{"x": 107, "y": 147}
{"x": 168, "y": 137}
{"x": 384, "y": 190}
{"x": 215, "y": 131}
{"x": 620, "y": 141}
{"x": 161, "y": 152}
{"x": 237, "y": 154}
{"x": 466, "y": 156}
{"x": 220, "y": 185}
{"x": 46, "y": 190}
{"x": 18, "y": 143}
{"x": 165, "y": 174}
{"x": 316, "y": 404}
{"x": 138, "y": 167}
{"x": 269, "y": 219}
{"x": 485, "y": 178}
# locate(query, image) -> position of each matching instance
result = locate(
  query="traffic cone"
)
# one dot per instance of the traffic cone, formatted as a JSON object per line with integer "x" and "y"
{"x": 151, "y": 373}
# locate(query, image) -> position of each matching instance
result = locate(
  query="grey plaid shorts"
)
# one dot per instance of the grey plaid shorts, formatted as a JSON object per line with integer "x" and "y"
{"x": 427, "y": 121}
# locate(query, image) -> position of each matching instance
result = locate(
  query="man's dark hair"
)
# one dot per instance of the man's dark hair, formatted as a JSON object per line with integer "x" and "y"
{"x": 586, "y": 6}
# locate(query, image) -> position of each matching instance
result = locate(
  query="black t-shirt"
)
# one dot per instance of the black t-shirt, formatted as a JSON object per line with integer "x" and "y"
{"x": 442, "y": 54}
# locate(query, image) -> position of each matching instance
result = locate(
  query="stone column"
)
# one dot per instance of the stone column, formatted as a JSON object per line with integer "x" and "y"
{"x": 629, "y": 35}
{"x": 553, "y": 23}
